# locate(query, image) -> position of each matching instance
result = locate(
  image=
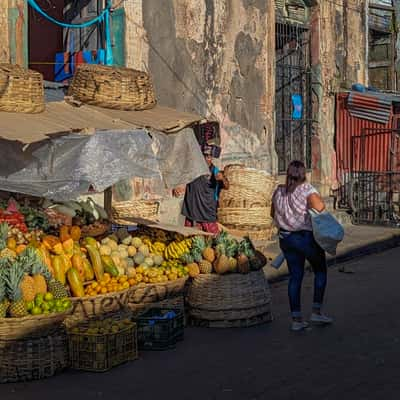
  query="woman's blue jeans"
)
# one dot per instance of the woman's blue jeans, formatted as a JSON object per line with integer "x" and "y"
{"x": 298, "y": 247}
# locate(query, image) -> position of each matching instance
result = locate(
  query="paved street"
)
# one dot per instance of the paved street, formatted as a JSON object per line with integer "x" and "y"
{"x": 357, "y": 358}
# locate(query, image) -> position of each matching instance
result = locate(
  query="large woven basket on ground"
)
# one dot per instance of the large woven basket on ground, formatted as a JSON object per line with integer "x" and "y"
{"x": 230, "y": 300}
{"x": 21, "y": 90}
{"x": 111, "y": 87}
{"x": 31, "y": 326}
{"x": 138, "y": 208}
{"x": 33, "y": 358}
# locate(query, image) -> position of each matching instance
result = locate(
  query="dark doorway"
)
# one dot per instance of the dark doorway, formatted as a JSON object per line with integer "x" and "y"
{"x": 45, "y": 38}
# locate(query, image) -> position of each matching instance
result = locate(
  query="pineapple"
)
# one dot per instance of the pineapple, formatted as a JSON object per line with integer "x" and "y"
{"x": 13, "y": 281}
{"x": 55, "y": 287}
{"x": 209, "y": 254}
{"x": 205, "y": 267}
{"x": 28, "y": 288}
{"x": 198, "y": 246}
{"x": 4, "y": 251}
{"x": 4, "y": 303}
{"x": 38, "y": 270}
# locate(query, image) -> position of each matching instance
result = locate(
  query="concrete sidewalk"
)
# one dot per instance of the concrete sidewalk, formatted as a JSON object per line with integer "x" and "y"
{"x": 359, "y": 241}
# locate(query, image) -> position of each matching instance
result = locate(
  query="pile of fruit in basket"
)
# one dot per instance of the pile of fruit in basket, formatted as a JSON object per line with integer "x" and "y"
{"x": 223, "y": 254}
{"x": 27, "y": 286}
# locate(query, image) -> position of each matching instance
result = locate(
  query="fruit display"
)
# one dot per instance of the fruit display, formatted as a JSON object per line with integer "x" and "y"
{"x": 222, "y": 254}
{"x": 27, "y": 287}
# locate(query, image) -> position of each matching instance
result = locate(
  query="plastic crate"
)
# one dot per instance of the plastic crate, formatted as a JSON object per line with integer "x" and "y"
{"x": 160, "y": 328}
{"x": 99, "y": 352}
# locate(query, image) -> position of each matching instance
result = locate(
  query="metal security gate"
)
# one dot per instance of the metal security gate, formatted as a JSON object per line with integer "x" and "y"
{"x": 293, "y": 107}
{"x": 375, "y": 183}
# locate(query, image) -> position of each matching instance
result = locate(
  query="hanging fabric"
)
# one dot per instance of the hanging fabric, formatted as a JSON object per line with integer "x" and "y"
{"x": 104, "y": 18}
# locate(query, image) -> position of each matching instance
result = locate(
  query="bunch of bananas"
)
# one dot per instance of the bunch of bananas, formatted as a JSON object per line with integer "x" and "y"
{"x": 175, "y": 250}
{"x": 157, "y": 248}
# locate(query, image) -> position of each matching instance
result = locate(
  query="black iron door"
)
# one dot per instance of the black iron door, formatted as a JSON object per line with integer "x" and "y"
{"x": 293, "y": 109}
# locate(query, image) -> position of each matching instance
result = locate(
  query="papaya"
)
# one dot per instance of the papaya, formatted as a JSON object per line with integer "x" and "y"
{"x": 67, "y": 262}
{"x": 109, "y": 266}
{"x": 57, "y": 249}
{"x": 77, "y": 263}
{"x": 89, "y": 273}
{"x": 50, "y": 241}
{"x": 20, "y": 248}
{"x": 58, "y": 268}
{"x": 68, "y": 247}
{"x": 45, "y": 256}
{"x": 64, "y": 233}
{"x": 75, "y": 233}
{"x": 95, "y": 260}
{"x": 75, "y": 283}
{"x": 90, "y": 241}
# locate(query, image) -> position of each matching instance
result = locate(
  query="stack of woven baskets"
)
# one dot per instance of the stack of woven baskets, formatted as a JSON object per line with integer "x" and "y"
{"x": 21, "y": 90}
{"x": 111, "y": 87}
{"x": 246, "y": 206}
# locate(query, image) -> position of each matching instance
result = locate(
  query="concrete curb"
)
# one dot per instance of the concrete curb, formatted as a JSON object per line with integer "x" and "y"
{"x": 273, "y": 275}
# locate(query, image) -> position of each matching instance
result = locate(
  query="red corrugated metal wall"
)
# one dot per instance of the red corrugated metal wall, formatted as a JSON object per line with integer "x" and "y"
{"x": 377, "y": 147}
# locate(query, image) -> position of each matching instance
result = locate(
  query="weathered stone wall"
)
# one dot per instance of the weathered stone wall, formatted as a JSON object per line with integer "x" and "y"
{"x": 338, "y": 59}
{"x": 212, "y": 57}
{"x": 4, "y": 46}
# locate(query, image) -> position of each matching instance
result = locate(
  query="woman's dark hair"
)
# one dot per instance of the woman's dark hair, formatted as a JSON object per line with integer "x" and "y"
{"x": 295, "y": 176}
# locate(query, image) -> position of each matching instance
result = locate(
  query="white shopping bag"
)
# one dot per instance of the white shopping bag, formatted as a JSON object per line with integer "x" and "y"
{"x": 328, "y": 232}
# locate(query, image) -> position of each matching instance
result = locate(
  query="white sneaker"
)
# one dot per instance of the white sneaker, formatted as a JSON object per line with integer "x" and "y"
{"x": 320, "y": 319}
{"x": 299, "y": 325}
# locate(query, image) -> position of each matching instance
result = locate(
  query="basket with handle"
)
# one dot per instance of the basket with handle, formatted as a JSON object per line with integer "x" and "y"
{"x": 21, "y": 90}
{"x": 111, "y": 87}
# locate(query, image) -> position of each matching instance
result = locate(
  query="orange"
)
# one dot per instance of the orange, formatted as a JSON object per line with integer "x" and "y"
{"x": 11, "y": 243}
{"x": 107, "y": 277}
{"x": 103, "y": 290}
{"x": 122, "y": 279}
{"x": 132, "y": 282}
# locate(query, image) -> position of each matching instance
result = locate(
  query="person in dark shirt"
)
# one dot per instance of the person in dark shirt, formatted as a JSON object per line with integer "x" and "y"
{"x": 201, "y": 197}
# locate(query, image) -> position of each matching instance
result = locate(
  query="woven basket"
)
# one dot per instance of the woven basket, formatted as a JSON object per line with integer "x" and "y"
{"x": 139, "y": 208}
{"x": 88, "y": 230}
{"x": 231, "y": 297}
{"x": 85, "y": 308}
{"x": 33, "y": 358}
{"x": 31, "y": 326}
{"x": 240, "y": 197}
{"x": 240, "y": 217}
{"x": 21, "y": 90}
{"x": 155, "y": 292}
{"x": 252, "y": 179}
{"x": 110, "y": 87}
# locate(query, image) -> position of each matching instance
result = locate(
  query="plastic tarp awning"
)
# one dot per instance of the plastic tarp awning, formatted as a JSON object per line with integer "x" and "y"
{"x": 65, "y": 166}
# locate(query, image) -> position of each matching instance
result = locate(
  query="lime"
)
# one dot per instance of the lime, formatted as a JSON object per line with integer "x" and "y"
{"x": 66, "y": 304}
{"x": 38, "y": 299}
{"x": 46, "y": 312}
{"x": 48, "y": 296}
{"x": 58, "y": 303}
{"x": 36, "y": 310}
{"x": 59, "y": 309}
{"x": 45, "y": 306}
{"x": 50, "y": 303}
{"x": 29, "y": 305}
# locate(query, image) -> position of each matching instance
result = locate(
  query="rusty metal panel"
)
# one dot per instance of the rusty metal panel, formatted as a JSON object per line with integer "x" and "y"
{"x": 370, "y": 107}
{"x": 347, "y": 127}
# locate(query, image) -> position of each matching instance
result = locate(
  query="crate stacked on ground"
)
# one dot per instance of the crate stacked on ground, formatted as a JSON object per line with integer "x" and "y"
{"x": 160, "y": 328}
{"x": 246, "y": 206}
{"x": 100, "y": 344}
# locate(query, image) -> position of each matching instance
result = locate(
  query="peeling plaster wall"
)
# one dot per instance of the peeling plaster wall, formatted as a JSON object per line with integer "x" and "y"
{"x": 4, "y": 45}
{"x": 338, "y": 61}
{"x": 214, "y": 58}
